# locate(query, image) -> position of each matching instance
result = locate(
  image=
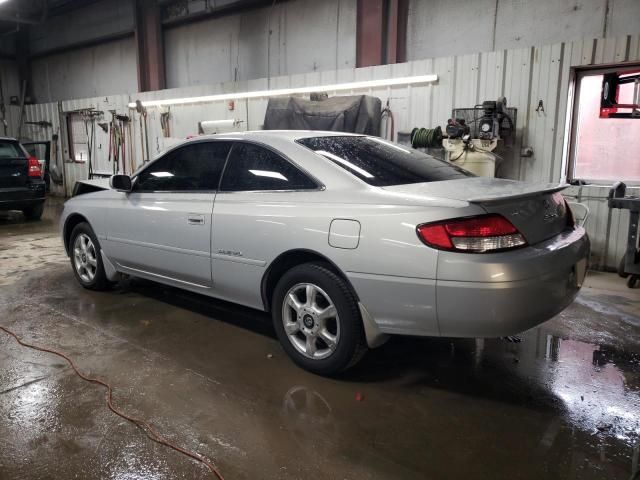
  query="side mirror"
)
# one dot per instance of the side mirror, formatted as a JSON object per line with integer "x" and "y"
{"x": 122, "y": 183}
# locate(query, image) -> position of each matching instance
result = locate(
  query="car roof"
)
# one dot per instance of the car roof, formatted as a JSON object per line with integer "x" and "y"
{"x": 262, "y": 135}
{"x": 9, "y": 139}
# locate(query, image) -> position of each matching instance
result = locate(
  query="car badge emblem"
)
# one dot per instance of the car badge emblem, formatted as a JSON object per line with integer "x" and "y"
{"x": 549, "y": 213}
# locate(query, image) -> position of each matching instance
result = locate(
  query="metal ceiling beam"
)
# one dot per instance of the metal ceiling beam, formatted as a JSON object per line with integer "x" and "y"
{"x": 214, "y": 11}
{"x": 396, "y": 41}
{"x": 150, "y": 46}
{"x": 369, "y": 22}
{"x": 381, "y": 32}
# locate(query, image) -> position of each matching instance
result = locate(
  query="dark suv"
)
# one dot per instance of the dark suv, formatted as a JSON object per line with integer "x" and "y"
{"x": 21, "y": 183}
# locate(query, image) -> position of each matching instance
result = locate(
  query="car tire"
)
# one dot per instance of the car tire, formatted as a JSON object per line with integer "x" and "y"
{"x": 318, "y": 339}
{"x": 34, "y": 212}
{"x": 86, "y": 259}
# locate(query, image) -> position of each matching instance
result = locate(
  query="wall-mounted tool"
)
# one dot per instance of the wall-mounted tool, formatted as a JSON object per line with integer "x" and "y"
{"x": 164, "y": 121}
{"x": 90, "y": 117}
{"x": 118, "y": 141}
{"x": 41, "y": 124}
{"x": 387, "y": 115}
{"x": 144, "y": 136}
{"x": 56, "y": 173}
{"x": 123, "y": 126}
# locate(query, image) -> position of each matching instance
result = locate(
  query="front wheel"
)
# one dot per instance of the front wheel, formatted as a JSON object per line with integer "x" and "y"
{"x": 86, "y": 258}
{"x": 317, "y": 319}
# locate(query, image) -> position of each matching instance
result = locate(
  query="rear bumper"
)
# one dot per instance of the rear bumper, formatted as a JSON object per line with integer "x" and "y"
{"x": 512, "y": 291}
{"x": 22, "y": 197}
{"x": 481, "y": 295}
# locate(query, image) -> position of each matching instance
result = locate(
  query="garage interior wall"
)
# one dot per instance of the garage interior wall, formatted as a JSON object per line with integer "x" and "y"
{"x": 9, "y": 78}
{"x": 437, "y": 28}
{"x": 104, "y": 69}
{"x": 10, "y": 88}
{"x": 304, "y": 36}
{"x": 525, "y": 76}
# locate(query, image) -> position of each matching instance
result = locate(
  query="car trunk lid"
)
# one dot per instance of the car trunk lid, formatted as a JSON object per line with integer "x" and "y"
{"x": 538, "y": 211}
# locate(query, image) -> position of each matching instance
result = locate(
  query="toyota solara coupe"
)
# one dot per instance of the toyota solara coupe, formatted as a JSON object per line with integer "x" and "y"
{"x": 344, "y": 239}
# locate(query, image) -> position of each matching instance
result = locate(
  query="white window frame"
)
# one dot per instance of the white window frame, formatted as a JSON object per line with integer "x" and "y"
{"x": 571, "y": 127}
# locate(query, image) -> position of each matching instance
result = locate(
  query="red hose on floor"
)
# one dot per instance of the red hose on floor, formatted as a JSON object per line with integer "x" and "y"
{"x": 151, "y": 432}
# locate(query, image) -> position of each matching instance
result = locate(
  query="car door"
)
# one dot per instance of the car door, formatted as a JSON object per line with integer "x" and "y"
{"x": 259, "y": 197}
{"x": 162, "y": 228}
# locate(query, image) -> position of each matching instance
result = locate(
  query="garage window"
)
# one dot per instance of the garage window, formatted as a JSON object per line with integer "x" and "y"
{"x": 603, "y": 150}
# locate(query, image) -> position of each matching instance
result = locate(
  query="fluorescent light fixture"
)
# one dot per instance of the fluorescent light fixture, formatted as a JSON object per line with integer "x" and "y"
{"x": 386, "y": 82}
{"x": 162, "y": 174}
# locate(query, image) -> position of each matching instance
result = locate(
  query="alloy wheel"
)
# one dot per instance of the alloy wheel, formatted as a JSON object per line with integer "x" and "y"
{"x": 85, "y": 260}
{"x": 310, "y": 320}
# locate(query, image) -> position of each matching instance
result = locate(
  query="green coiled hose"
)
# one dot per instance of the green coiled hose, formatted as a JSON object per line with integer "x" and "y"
{"x": 426, "y": 137}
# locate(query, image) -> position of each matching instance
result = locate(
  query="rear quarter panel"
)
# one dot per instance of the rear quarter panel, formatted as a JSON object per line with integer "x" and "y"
{"x": 251, "y": 229}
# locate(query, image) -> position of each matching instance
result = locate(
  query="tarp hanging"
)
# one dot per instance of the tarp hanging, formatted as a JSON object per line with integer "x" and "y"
{"x": 353, "y": 114}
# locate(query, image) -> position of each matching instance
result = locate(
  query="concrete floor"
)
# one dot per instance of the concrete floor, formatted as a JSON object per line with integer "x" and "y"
{"x": 564, "y": 403}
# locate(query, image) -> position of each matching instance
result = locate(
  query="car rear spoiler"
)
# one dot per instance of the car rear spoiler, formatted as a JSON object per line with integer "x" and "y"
{"x": 529, "y": 191}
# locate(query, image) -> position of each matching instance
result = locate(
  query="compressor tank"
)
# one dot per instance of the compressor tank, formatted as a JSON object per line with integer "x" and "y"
{"x": 477, "y": 158}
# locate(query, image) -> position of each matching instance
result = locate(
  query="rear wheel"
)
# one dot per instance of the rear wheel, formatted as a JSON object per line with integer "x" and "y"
{"x": 86, "y": 259}
{"x": 317, "y": 320}
{"x": 34, "y": 212}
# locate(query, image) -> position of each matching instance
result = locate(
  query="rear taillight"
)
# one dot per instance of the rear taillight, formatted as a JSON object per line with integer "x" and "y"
{"x": 34, "y": 167}
{"x": 488, "y": 233}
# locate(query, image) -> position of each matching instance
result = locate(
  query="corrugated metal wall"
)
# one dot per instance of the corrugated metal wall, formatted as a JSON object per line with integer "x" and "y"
{"x": 525, "y": 76}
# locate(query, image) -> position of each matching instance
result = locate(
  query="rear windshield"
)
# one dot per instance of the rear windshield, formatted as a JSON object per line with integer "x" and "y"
{"x": 381, "y": 163}
{"x": 10, "y": 149}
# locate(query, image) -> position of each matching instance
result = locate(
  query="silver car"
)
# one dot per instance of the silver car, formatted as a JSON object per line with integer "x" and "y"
{"x": 345, "y": 239}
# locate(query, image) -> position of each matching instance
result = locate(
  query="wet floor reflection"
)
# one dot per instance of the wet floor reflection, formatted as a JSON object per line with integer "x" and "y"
{"x": 570, "y": 408}
{"x": 562, "y": 404}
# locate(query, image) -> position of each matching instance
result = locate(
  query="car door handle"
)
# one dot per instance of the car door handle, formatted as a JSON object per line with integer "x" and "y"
{"x": 195, "y": 219}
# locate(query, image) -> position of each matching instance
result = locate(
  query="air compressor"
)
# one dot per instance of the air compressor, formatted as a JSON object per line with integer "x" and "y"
{"x": 473, "y": 135}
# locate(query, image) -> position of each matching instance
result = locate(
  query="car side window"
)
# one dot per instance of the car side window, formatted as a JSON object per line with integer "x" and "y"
{"x": 195, "y": 167}
{"x": 252, "y": 167}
